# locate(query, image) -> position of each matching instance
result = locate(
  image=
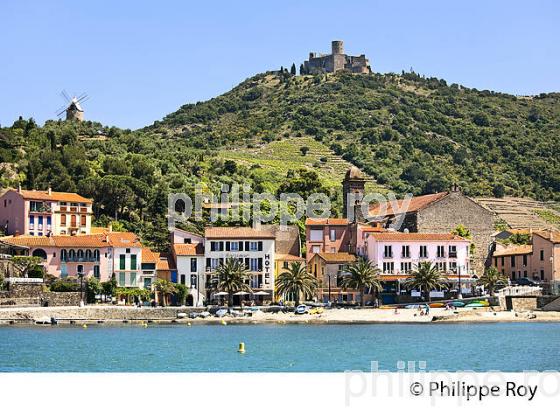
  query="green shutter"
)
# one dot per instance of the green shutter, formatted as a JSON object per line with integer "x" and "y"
{"x": 122, "y": 262}
{"x": 132, "y": 262}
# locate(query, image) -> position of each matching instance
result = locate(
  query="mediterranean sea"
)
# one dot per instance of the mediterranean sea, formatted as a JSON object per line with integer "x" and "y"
{"x": 508, "y": 347}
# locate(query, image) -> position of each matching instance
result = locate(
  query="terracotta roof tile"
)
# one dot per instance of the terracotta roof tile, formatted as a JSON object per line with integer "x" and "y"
{"x": 552, "y": 236}
{"x": 149, "y": 256}
{"x": 237, "y": 232}
{"x": 414, "y": 236}
{"x": 337, "y": 257}
{"x": 53, "y": 196}
{"x": 116, "y": 239}
{"x": 514, "y": 250}
{"x": 165, "y": 262}
{"x": 326, "y": 221}
{"x": 188, "y": 249}
{"x": 283, "y": 257}
{"x": 416, "y": 203}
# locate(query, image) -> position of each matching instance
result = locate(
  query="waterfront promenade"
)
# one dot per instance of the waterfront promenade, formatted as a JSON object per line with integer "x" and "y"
{"x": 132, "y": 315}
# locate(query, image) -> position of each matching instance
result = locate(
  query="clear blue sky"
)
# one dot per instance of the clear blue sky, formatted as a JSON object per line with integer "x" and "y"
{"x": 139, "y": 60}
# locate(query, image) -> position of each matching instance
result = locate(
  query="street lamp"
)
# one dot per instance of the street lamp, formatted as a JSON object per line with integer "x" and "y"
{"x": 329, "y": 276}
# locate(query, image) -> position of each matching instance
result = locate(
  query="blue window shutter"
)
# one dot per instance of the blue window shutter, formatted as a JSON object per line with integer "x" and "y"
{"x": 174, "y": 276}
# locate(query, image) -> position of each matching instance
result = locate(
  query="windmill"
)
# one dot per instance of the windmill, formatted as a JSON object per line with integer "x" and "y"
{"x": 73, "y": 107}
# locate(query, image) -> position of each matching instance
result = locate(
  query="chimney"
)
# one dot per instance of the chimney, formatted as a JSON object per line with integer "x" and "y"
{"x": 49, "y": 190}
{"x": 110, "y": 227}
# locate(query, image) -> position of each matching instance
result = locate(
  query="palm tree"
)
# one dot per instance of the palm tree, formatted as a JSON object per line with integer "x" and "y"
{"x": 165, "y": 288}
{"x": 426, "y": 277}
{"x": 491, "y": 279}
{"x": 233, "y": 276}
{"x": 362, "y": 275}
{"x": 296, "y": 280}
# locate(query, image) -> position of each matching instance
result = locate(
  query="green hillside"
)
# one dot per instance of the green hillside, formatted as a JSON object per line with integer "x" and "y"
{"x": 298, "y": 134}
{"x": 412, "y": 134}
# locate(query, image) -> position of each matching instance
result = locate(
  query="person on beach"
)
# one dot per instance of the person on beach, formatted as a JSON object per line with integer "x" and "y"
{"x": 427, "y": 309}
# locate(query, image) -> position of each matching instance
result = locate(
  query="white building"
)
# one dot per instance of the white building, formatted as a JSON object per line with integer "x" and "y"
{"x": 263, "y": 251}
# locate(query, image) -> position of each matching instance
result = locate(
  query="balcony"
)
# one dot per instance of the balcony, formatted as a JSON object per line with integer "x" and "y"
{"x": 40, "y": 209}
{"x": 452, "y": 254}
{"x": 78, "y": 260}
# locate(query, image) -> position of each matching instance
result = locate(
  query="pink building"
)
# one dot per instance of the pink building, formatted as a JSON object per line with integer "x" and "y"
{"x": 99, "y": 255}
{"x": 538, "y": 261}
{"x": 330, "y": 235}
{"x": 42, "y": 213}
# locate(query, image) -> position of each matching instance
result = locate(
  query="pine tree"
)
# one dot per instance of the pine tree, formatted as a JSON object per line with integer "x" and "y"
{"x": 301, "y": 69}
{"x": 293, "y": 69}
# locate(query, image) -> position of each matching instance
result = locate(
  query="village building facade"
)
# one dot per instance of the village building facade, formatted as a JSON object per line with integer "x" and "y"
{"x": 44, "y": 213}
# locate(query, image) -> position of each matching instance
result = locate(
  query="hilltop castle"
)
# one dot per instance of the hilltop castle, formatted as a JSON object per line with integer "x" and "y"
{"x": 336, "y": 61}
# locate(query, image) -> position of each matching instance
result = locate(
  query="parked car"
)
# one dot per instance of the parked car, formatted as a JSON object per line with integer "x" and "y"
{"x": 302, "y": 309}
{"x": 526, "y": 282}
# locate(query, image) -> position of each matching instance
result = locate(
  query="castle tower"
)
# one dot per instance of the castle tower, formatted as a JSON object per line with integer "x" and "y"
{"x": 337, "y": 47}
{"x": 354, "y": 183}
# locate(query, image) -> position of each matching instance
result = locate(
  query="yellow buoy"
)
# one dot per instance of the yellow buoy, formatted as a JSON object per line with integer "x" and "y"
{"x": 188, "y": 324}
{"x": 223, "y": 322}
{"x": 84, "y": 326}
{"x": 145, "y": 325}
{"x": 241, "y": 348}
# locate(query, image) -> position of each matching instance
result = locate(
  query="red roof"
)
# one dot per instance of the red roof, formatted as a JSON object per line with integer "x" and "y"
{"x": 188, "y": 249}
{"x": 415, "y": 236}
{"x": 326, "y": 221}
{"x": 52, "y": 196}
{"x": 239, "y": 232}
{"x": 416, "y": 203}
{"x": 116, "y": 239}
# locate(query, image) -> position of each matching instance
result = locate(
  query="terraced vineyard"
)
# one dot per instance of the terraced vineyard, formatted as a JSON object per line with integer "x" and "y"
{"x": 522, "y": 213}
{"x": 278, "y": 157}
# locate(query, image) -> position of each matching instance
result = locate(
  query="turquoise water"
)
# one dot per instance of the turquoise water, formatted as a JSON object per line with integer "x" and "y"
{"x": 277, "y": 348}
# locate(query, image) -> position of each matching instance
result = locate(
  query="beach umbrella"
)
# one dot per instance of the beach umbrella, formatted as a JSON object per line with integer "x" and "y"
{"x": 241, "y": 293}
{"x": 221, "y": 294}
{"x": 261, "y": 293}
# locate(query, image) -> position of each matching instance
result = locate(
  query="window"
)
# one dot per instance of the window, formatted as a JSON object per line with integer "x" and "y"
{"x": 122, "y": 279}
{"x": 80, "y": 254}
{"x": 452, "y": 251}
{"x": 542, "y": 274}
{"x": 388, "y": 251}
{"x": 31, "y": 222}
{"x": 503, "y": 260}
{"x": 542, "y": 255}
{"x": 83, "y": 220}
{"x": 315, "y": 249}
{"x": 96, "y": 273}
{"x": 183, "y": 280}
{"x": 285, "y": 265}
{"x": 234, "y": 247}
{"x": 332, "y": 234}
{"x": 49, "y": 222}
{"x": 122, "y": 262}
{"x": 453, "y": 267}
{"x": 423, "y": 251}
{"x": 524, "y": 260}
{"x": 80, "y": 270}
{"x": 525, "y": 274}
{"x": 513, "y": 275}
{"x": 193, "y": 281}
{"x": 147, "y": 283}
{"x": 63, "y": 220}
{"x": 194, "y": 267}
{"x": 133, "y": 262}
{"x": 63, "y": 255}
{"x": 406, "y": 267}
{"x": 127, "y": 250}
{"x": 441, "y": 266}
{"x": 388, "y": 267}
{"x": 316, "y": 235}
{"x": 405, "y": 251}
{"x": 96, "y": 255}
{"x": 40, "y": 222}
{"x": 72, "y": 255}
{"x": 187, "y": 240}
{"x": 254, "y": 264}
{"x": 512, "y": 259}
{"x": 440, "y": 251}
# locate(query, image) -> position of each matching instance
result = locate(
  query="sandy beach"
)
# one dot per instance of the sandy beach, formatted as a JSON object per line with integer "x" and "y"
{"x": 119, "y": 314}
